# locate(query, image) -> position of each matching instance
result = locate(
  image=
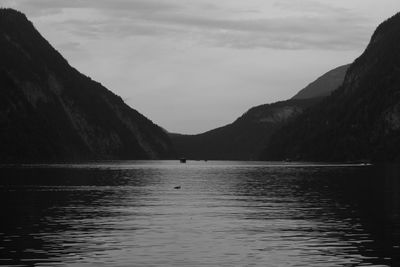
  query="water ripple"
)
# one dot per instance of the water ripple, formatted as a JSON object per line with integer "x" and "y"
{"x": 225, "y": 214}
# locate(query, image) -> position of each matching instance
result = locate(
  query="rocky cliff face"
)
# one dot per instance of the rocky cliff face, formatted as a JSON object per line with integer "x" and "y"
{"x": 51, "y": 112}
{"x": 359, "y": 121}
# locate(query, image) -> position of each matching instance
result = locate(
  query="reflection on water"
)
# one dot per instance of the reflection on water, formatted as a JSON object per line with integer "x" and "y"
{"x": 225, "y": 214}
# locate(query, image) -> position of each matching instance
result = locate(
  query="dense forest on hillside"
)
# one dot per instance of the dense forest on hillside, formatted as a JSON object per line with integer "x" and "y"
{"x": 360, "y": 120}
{"x": 50, "y": 111}
{"x": 244, "y": 138}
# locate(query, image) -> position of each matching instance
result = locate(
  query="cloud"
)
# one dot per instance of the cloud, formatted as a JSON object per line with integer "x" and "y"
{"x": 286, "y": 33}
{"x": 51, "y": 6}
{"x": 69, "y": 46}
{"x": 309, "y": 6}
{"x": 312, "y": 25}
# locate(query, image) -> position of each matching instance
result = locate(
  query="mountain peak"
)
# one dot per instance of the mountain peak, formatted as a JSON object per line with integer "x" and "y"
{"x": 9, "y": 15}
{"x": 49, "y": 111}
{"x": 324, "y": 85}
{"x": 386, "y": 26}
{"x": 5, "y": 11}
{"x": 360, "y": 120}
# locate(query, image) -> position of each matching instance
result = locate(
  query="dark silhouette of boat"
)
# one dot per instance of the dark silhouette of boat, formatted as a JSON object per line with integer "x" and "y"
{"x": 182, "y": 160}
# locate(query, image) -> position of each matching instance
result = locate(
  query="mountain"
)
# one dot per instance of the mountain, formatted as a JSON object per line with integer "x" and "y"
{"x": 360, "y": 120}
{"x": 324, "y": 85}
{"x": 51, "y": 112}
{"x": 245, "y": 138}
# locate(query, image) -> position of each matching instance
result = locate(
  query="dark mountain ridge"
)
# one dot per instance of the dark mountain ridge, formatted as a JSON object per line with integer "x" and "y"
{"x": 360, "y": 120}
{"x": 245, "y": 138}
{"x": 51, "y": 112}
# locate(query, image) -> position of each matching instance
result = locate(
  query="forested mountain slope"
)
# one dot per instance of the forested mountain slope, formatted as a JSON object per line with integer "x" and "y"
{"x": 360, "y": 120}
{"x": 51, "y": 112}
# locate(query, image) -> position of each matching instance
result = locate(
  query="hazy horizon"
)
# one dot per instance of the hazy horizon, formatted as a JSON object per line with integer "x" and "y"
{"x": 191, "y": 66}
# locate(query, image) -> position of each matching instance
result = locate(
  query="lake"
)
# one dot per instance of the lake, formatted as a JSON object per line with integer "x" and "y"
{"x": 128, "y": 213}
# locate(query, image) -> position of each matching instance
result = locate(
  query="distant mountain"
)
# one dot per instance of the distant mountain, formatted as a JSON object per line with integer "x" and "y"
{"x": 244, "y": 138}
{"x": 324, "y": 85}
{"x": 360, "y": 120}
{"x": 51, "y": 112}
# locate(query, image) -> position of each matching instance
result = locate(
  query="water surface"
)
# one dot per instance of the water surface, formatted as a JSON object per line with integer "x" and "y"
{"x": 128, "y": 213}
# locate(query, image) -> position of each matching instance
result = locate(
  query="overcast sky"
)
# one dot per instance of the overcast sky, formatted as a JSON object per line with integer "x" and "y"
{"x": 193, "y": 65}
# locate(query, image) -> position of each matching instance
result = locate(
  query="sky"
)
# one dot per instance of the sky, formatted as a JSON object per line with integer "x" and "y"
{"x": 194, "y": 65}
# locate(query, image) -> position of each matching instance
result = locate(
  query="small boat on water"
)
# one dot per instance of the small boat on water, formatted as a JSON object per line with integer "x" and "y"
{"x": 182, "y": 160}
